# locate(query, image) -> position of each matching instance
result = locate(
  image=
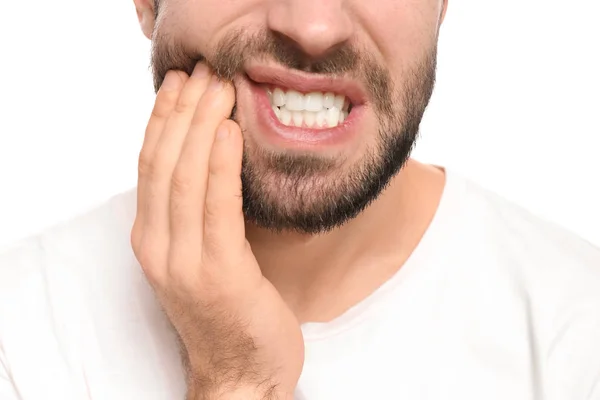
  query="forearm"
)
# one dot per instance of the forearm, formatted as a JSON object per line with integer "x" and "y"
{"x": 231, "y": 380}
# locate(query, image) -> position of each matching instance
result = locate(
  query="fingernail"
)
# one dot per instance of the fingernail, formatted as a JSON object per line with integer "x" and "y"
{"x": 171, "y": 81}
{"x": 222, "y": 132}
{"x": 200, "y": 70}
{"x": 215, "y": 83}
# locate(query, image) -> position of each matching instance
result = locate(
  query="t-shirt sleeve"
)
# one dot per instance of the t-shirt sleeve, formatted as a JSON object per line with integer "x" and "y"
{"x": 573, "y": 358}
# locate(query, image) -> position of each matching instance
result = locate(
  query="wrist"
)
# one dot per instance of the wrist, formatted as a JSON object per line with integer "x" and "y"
{"x": 254, "y": 393}
{"x": 260, "y": 392}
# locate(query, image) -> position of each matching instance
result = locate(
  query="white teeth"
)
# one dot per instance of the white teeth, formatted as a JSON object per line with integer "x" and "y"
{"x": 286, "y": 116}
{"x": 277, "y": 112}
{"x": 339, "y": 101}
{"x": 333, "y": 116}
{"x": 310, "y": 118}
{"x": 298, "y": 118}
{"x": 328, "y": 100}
{"x": 311, "y": 110}
{"x": 294, "y": 101}
{"x": 278, "y": 97}
{"x": 313, "y": 101}
{"x": 321, "y": 117}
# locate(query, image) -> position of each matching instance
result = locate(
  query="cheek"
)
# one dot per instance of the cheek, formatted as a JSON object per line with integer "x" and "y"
{"x": 201, "y": 23}
{"x": 193, "y": 23}
{"x": 400, "y": 30}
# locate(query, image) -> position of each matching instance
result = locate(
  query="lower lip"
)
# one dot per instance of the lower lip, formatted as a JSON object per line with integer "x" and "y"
{"x": 271, "y": 127}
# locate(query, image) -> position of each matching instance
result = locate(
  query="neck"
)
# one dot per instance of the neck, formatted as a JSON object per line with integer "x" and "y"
{"x": 320, "y": 276}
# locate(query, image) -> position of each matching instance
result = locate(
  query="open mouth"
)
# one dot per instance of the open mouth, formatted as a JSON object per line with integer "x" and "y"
{"x": 303, "y": 111}
{"x": 313, "y": 110}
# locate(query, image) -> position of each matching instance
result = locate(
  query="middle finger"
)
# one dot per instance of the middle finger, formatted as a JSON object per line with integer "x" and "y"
{"x": 168, "y": 149}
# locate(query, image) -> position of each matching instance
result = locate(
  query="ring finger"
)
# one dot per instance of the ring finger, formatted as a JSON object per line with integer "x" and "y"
{"x": 166, "y": 153}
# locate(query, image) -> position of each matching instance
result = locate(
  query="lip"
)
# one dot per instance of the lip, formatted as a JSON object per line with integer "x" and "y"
{"x": 299, "y": 138}
{"x": 305, "y": 83}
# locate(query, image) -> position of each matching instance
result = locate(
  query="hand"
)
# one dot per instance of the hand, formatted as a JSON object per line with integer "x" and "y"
{"x": 237, "y": 334}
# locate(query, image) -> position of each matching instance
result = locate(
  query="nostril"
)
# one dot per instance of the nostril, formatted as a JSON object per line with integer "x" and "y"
{"x": 310, "y": 30}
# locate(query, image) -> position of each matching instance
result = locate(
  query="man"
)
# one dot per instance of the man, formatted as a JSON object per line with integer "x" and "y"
{"x": 281, "y": 244}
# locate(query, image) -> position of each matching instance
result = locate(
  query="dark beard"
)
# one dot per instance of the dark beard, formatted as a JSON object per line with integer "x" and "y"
{"x": 304, "y": 193}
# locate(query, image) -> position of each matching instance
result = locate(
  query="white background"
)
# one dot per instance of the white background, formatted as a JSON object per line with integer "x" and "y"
{"x": 516, "y": 106}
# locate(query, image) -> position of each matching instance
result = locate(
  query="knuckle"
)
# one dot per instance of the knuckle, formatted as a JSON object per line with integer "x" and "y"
{"x": 214, "y": 254}
{"x": 214, "y": 105}
{"x": 181, "y": 184}
{"x": 218, "y": 262}
{"x": 213, "y": 259}
{"x": 153, "y": 172}
{"x": 144, "y": 164}
{"x": 151, "y": 262}
{"x": 146, "y": 261}
{"x": 154, "y": 168}
{"x": 183, "y": 106}
{"x": 181, "y": 280}
{"x": 212, "y": 211}
{"x": 162, "y": 108}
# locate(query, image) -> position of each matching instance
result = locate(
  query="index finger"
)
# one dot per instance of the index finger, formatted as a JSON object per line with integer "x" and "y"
{"x": 187, "y": 212}
{"x": 166, "y": 99}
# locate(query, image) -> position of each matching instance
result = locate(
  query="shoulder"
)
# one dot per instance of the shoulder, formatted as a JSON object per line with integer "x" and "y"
{"x": 49, "y": 284}
{"x": 74, "y": 304}
{"x": 69, "y": 250}
{"x": 548, "y": 259}
{"x": 496, "y": 237}
{"x": 528, "y": 240}
{"x": 556, "y": 275}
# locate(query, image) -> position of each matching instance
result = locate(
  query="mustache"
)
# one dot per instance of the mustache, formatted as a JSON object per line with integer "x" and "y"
{"x": 234, "y": 50}
{"x": 233, "y": 53}
{"x": 237, "y": 47}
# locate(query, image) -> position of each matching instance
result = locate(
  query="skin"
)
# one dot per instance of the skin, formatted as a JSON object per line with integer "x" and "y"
{"x": 218, "y": 277}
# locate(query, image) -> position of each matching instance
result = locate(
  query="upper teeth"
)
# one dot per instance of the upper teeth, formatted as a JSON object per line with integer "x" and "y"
{"x": 315, "y": 109}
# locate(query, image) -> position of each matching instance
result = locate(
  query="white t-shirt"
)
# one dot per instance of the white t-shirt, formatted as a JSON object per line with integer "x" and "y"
{"x": 494, "y": 304}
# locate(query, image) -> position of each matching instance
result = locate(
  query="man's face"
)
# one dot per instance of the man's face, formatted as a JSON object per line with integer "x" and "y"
{"x": 329, "y": 94}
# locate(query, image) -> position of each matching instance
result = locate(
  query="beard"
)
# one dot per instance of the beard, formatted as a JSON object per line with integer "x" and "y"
{"x": 305, "y": 193}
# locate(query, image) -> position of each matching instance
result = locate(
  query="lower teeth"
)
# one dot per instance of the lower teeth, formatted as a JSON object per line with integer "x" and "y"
{"x": 326, "y": 118}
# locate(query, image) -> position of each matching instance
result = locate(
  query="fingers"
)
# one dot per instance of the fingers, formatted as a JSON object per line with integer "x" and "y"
{"x": 155, "y": 177}
{"x": 189, "y": 184}
{"x": 223, "y": 216}
{"x": 190, "y": 177}
{"x": 168, "y": 147}
{"x": 165, "y": 102}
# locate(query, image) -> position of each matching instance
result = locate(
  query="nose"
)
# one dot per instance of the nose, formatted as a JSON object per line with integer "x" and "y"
{"x": 317, "y": 27}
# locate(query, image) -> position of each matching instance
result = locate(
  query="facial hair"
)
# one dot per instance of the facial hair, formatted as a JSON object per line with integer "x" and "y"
{"x": 305, "y": 193}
